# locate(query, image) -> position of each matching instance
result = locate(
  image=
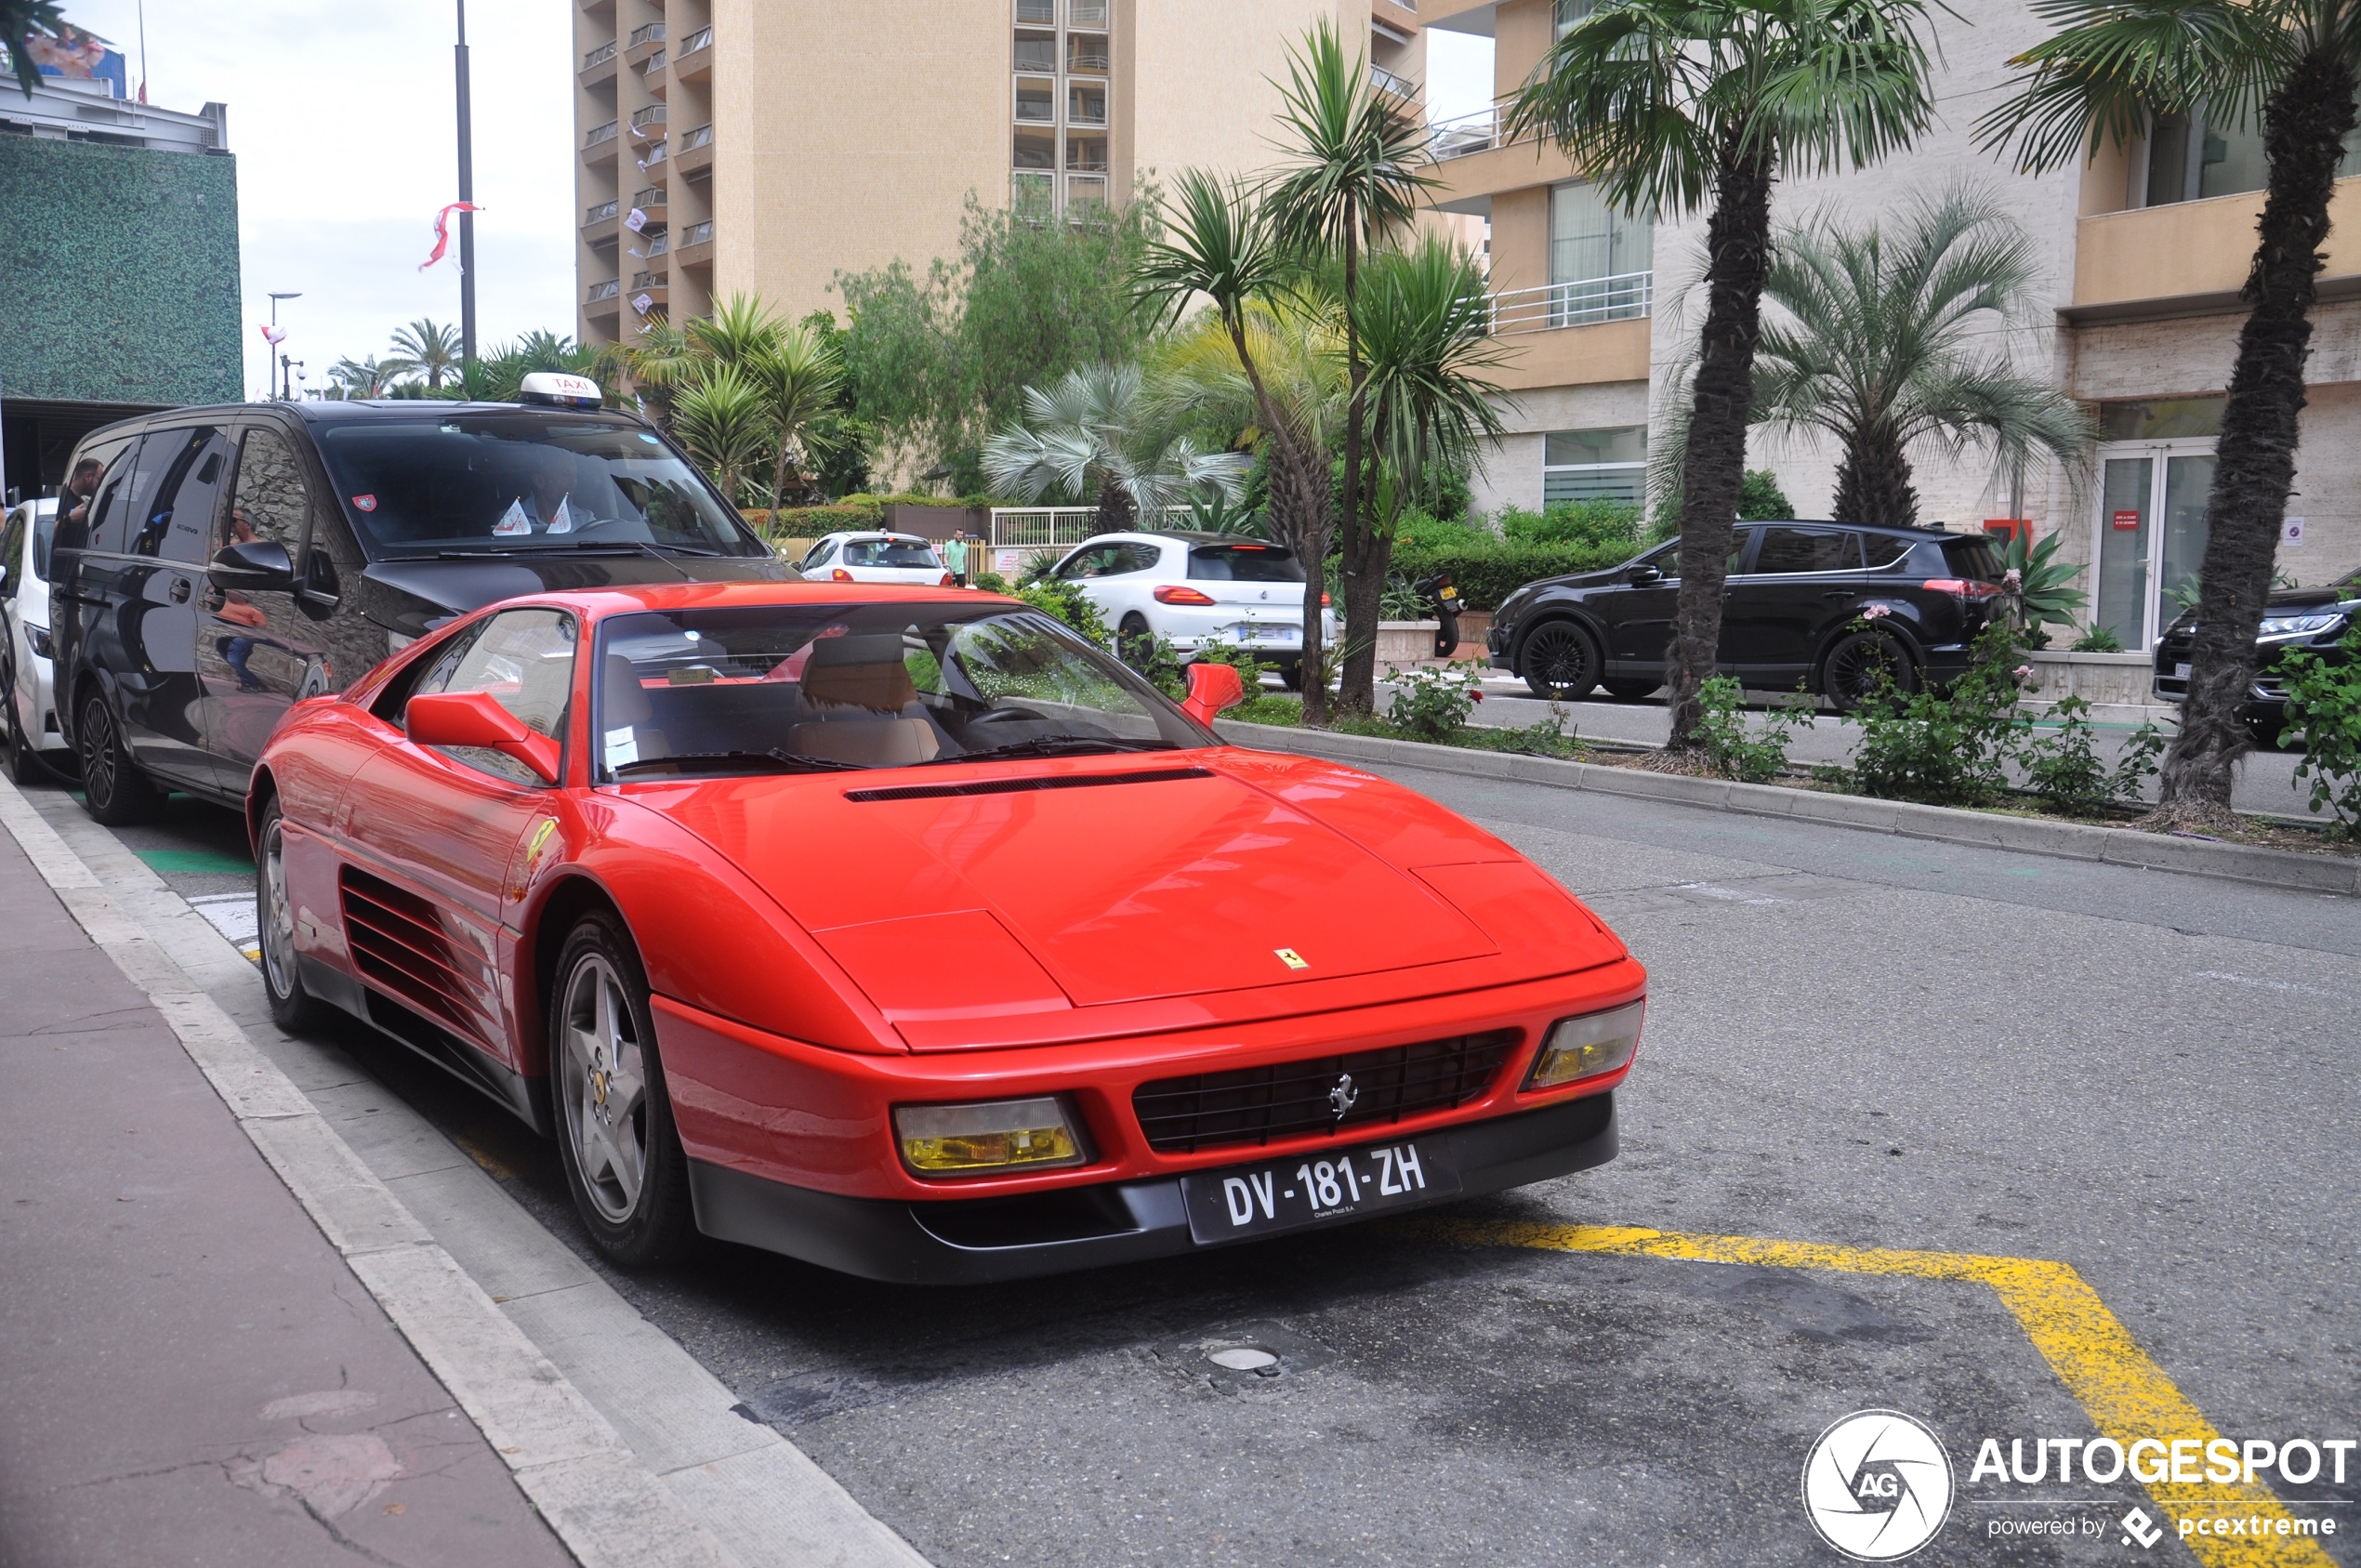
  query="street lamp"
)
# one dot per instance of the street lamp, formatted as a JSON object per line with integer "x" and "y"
{"x": 275, "y": 297}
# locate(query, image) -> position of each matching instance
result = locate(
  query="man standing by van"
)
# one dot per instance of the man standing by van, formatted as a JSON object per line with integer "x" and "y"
{"x": 74, "y": 501}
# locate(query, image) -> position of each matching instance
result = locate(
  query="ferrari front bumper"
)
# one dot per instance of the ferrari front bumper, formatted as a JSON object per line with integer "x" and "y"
{"x": 981, "y": 1241}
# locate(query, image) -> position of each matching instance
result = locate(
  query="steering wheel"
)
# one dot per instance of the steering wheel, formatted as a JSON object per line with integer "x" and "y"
{"x": 1008, "y": 716}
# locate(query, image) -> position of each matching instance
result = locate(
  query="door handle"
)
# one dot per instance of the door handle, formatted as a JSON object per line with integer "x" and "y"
{"x": 180, "y": 590}
{"x": 1835, "y": 593}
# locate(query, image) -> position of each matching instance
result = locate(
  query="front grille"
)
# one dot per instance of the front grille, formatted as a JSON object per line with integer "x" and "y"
{"x": 1258, "y": 1105}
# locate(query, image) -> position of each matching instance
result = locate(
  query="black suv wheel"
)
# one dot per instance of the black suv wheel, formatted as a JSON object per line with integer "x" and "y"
{"x": 1559, "y": 662}
{"x": 1860, "y": 664}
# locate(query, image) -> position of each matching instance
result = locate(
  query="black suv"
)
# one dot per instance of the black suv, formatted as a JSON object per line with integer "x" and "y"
{"x": 229, "y": 562}
{"x": 2315, "y": 619}
{"x": 1830, "y": 604}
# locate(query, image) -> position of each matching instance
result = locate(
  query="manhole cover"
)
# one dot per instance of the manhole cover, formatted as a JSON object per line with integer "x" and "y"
{"x": 1243, "y": 1358}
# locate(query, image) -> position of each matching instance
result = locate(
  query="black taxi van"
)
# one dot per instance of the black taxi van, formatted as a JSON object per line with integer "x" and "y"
{"x": 215, "y": 565}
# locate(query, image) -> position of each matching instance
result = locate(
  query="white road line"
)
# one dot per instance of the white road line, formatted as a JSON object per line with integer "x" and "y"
{"x": 628, "y": 1446}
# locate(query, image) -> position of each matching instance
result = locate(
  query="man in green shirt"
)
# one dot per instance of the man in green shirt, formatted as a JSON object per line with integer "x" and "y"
{"x": 954, "y": 555}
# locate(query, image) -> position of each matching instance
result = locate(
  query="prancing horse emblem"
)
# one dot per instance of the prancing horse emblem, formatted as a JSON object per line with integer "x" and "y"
{"x": 1341, "y": 1098}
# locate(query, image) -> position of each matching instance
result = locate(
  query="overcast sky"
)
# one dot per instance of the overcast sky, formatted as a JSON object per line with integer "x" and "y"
{"x": 341, "y": 117}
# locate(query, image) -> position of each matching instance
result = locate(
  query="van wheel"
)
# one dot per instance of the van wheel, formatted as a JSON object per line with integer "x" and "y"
{"x": 113, "y": 790}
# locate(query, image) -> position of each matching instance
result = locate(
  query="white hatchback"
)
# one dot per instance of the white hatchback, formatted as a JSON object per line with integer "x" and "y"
{"x": 1198, "y": 590}
{"x": 30, "y": 715}
{"x": 876, "y": 558}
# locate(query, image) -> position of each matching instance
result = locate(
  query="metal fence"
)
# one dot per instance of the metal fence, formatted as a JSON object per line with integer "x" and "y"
{"x": 1587, "y": 303}
{"x": 1060, "y": 527}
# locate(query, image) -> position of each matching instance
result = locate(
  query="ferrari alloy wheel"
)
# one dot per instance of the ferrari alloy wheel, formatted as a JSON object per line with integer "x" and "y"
{"x": 113, "y": 790}
{"x": 1857, "y": 666}
{"x": 623, "y": 1159}
{"x": 291, "y": 1006}
{"x": 1559, "y": 662}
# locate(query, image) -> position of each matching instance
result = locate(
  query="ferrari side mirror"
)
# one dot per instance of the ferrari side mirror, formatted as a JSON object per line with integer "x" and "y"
{"x": 1211, "y": 689}
{"x": 476, "y": 719}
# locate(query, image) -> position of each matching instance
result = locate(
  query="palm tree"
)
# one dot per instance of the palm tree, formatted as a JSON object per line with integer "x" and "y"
{"x": 1424, "y": 316}
{"x": 801, "y": 377}
{"x": 1677, "y": 105}
{"x": 1356, "y": 174}
{"x": 653, "y": 368}
{"x": 1878, "y": 342}
{"x": 1219, "y": 245}
{"x": 426, "y": 347}
{"x": 1091, "y": 436}
{"x": 367, "y": 377}
{"x": 724, "y": 419}
{"x": 2111, "y": 65}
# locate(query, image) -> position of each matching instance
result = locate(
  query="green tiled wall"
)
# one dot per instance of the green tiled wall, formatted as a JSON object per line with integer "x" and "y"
{"x": 118, "y": 273}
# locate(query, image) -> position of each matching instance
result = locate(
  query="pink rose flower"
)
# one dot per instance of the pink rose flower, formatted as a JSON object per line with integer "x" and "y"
{"x": 1875, "y": 612}
{"x": 2024, "y": 672}
{"x": 2014, "y": 578}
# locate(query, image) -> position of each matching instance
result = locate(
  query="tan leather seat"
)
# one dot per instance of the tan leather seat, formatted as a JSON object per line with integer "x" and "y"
{"x": 625, "y": 704}
{"x": 865, "y": 704}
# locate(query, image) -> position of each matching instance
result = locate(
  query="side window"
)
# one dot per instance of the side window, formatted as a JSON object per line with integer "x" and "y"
{"x": 1138, "y": 557}
{"x": 12, "y": 545}
{"x": 1099, "y": 560}
{"x": 818, "y": 553}
{"x": 1807, "y": 549}
{"x": 1667, "y": 559}
{"x": 1884, "y": 549}
{"x": 525, "y": 658}
{"x": 178, "y": 522}
{"x": 271, "y": 500}
{"x": 105, "y": 517}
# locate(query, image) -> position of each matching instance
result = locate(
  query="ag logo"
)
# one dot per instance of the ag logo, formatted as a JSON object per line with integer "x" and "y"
{"x": 1876, "y": 1485}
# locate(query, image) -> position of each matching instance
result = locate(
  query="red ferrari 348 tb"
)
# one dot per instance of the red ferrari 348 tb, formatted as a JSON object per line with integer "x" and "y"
{"x": 903, "y": 931}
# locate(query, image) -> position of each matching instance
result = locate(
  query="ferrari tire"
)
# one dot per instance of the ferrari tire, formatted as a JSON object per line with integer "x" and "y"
{"x": 1559, "y": 662}
{"x": 113, "y": 790}
{"x": 292, "y": 1007}
{"x": 622, "y": 1153}
{"x": 1849, "y": 675}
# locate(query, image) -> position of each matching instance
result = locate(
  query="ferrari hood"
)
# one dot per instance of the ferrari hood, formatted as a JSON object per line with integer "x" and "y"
{"x": 1119, "y": 881}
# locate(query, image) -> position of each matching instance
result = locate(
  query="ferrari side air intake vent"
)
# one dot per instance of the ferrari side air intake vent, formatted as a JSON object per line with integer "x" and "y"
{"x": 1302, "y": 1098}
{"x": 400, "y": 946}
{"x": 1017, "y": 786}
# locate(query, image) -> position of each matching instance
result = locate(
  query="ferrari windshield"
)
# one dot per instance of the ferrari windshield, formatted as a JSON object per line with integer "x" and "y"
{"x": 523, "y": 479}
{"x": 812, "y": 687}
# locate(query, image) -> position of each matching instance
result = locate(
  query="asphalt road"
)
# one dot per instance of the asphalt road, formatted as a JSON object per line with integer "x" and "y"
{"x": 1853, "y": 1039}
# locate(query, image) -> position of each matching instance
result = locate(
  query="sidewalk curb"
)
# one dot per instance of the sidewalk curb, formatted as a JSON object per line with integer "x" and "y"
{"x": 607, "y": 1510}
{"x": 2113, "y": 846}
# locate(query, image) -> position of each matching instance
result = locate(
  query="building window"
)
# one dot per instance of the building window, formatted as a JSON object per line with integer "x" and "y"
{"x": 1088, "y": 13}
{"x": 1037, "y": 52}
{"x": 1062, "y": 81}
{"x": 1043, "y": 13}
{"x": 1606, "y": 465}
{"x": 1087, "y": 154}
{"x": 1571, "y": 12}
{"x": 2191, "y": 157}
{"x": 1601, "y": 260}
{"x": 1037, "y": 150}
{"x": 1037, "y": 101}
{"x": 1087, "y": 53}
{"x": 1086, "y": 103}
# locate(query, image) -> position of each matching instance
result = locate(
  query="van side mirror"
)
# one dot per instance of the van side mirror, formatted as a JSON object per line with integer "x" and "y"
{"x": 476, "y": 719}
{"x": 254, "y": 564}
{"x": 1211, "y": 689}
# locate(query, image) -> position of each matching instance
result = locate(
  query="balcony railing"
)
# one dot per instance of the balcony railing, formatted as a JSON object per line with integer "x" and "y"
{"x": 599, "y": 56}
{"x": 1087, "y": 13}
{"x": 655, "y": 155}
{"x": 1037, "y": 13}
{"x": 701, "y": 137}
{"x": 1623, "y": 298}
{"x": 654, "y": 197}
{"x": 655, "y": 65}
{"x": 601, "y": 213}
{"x": 697, "y": 235}
{"x": 607, "y": 132}
{"x": 607, "y": 290}
{"x": 1386, "y": 80}
{"x": 701, "y": 39}
{"x": 646, "y": 280}
{"x": 1479, "y": 132}
{"x": 1086, "y": 54}
{"x": 659, "y": 245}
{"x": 652, "y": 34}
{"x": 1036, "y": 57}
{"x": 651, "y": 115}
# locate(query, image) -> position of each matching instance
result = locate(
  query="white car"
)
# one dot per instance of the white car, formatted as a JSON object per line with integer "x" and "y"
{"x": 28, "y": 707}
{"x": 876, "y": 558}
{"x": 1198, "y": 589}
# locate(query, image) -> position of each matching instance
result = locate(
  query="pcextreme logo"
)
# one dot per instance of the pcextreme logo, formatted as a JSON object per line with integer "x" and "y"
{"x": 1876, "y": 1485}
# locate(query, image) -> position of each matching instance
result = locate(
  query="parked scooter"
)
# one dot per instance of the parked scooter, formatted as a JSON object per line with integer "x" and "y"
{"x": 1443, "y": 601}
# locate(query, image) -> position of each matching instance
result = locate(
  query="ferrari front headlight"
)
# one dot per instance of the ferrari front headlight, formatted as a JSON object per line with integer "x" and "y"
{"x": 1587, "y": 1047}
{"x": 987, "y": 1136}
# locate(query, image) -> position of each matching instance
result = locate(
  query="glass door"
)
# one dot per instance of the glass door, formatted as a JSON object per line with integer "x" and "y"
{"x": 2151, "y": 536}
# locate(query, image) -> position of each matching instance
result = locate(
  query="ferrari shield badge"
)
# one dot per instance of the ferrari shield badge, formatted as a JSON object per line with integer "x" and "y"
{"x": 1291, "y": 959}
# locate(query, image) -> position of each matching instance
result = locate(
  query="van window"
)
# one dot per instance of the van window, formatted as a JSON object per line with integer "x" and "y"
{"x": 271, "y": 500}
{"x": 178, "y": 522}
{"x": 104, "y": 522}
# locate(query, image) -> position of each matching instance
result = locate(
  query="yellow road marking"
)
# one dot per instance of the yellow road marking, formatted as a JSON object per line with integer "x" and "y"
{"x": 2126, "y": 1394}
{"x": 491, "y": 1165}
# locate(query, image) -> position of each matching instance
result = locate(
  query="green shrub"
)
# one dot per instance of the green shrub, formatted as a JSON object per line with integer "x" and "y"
{"x": 2098, "y": 639}
{"x": 2062, "y": 765}
{"x": 1732, "y": 753}
{"x": 1419, "y": 528}
{"x": 1249, "y": 667}
{"x": 1761, "y": 499}
{"x": 1489, "y": 570}
{"x": 1429, "y": 704}
{"x": 850, "y": 515}
{"x": 1947, "y": 748}
{"x": 1067, "y": 603}
{"x": 2324, "y": 711}
{"x": 1600, "y": 524}
{"x": 990, "y": 582}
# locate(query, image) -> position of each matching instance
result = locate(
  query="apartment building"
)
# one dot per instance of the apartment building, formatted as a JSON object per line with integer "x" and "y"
{"x": 766, "y": 145}
{"x": 2136, "y": 313}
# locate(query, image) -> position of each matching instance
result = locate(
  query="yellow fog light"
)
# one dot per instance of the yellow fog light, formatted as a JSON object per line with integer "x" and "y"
{"x": 996, "y": 1135}
{"x": 1586, "y": 1046}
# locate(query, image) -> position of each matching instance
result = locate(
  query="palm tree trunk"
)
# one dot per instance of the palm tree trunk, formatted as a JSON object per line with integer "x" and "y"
{"x": 1363, "y": 567}
{"x": 1119, "y": 513}
{"x": 1298, "y": 511}
{"x": 2303, "y": 127}
{"x": 1873, "y": 481}
{"x": 1738, "y": 259}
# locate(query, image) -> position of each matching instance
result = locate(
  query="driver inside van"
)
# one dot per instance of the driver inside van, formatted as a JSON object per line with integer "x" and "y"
{"x": 544, "y": 509}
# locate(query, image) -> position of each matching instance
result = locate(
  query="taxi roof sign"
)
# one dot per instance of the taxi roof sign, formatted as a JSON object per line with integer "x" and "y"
{"x": 560, "y": 390}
